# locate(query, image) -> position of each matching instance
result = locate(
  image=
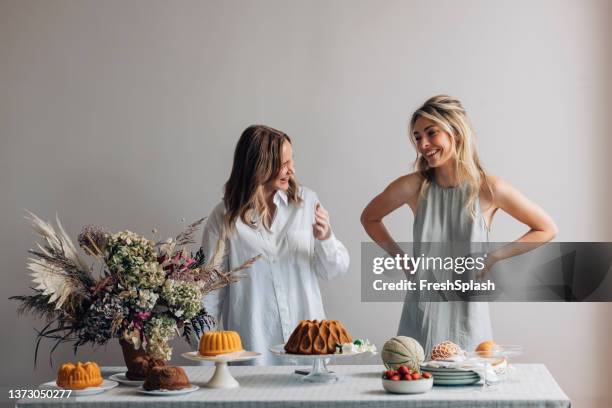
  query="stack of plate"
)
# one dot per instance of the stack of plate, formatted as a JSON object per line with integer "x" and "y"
{"x": 451, "y": 376}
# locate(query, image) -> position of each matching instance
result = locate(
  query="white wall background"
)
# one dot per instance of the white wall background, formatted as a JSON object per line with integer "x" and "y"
{"x": 125, "y": 113}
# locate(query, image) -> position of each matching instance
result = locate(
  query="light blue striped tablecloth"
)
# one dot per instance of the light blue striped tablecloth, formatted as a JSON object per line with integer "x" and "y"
{"x": 358, "y": 386}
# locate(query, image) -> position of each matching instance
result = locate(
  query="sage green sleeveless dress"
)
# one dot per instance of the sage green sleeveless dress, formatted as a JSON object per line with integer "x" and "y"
{"x": 442, "y": 217}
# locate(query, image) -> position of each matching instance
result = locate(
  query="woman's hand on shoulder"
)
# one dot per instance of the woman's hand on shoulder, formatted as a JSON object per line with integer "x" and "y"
{"x": 517, "y": 205}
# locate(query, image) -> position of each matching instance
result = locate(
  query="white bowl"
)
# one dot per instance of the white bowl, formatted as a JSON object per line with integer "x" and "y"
{"x": 408, "y": 387}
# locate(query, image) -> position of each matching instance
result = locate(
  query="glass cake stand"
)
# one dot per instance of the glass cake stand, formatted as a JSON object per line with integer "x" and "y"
{"x": 222, "y": 377}
{"x": 319, "y": 372}
{"x": 510, "y": 351}
{"x": 485, "y": 360}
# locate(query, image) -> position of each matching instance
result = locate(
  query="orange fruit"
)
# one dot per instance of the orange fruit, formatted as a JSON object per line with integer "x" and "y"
{"x": 486, "y": 348}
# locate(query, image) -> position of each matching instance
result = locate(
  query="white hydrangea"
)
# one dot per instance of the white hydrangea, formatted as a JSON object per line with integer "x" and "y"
{"x": 183, "y": 298}
{"x": 159, "y": 331}
{"x": 133, "y": 258}
{"x": 146, "y": 299}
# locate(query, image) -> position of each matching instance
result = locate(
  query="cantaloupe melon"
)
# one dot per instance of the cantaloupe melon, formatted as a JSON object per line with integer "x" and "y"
{"x": 402, "y": 350}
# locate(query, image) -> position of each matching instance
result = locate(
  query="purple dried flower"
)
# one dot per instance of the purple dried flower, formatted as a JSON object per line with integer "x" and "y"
{"x": 143, "y": 315}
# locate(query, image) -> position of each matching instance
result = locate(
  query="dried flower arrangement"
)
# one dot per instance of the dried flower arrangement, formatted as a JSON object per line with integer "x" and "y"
{"x": 146, "y": 291}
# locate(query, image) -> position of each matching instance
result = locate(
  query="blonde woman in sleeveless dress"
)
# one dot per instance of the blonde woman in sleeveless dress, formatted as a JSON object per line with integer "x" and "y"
{"x": 453, "y": 199}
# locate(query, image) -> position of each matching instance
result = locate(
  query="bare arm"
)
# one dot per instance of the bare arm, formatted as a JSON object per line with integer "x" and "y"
{"x": 542, "y": 228}
{"x": 402, "y": 191}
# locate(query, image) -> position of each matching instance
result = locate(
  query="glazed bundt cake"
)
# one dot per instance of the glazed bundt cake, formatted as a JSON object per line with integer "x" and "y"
{"x": 166, "y": 378}
{"x": 79, "y": 376}
{"x": 137, "y": 370}
{"x": 220, "y": 342}
{"x": 317, "y": 337}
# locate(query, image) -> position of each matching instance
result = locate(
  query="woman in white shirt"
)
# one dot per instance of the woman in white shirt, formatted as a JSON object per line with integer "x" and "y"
{"x": 264, "y": 211}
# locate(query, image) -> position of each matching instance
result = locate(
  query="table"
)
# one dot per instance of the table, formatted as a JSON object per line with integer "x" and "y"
{"x": 358, "y": 386}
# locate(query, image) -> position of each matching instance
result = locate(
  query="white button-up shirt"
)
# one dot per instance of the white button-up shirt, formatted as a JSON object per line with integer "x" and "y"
{"x": 282, "y": 287}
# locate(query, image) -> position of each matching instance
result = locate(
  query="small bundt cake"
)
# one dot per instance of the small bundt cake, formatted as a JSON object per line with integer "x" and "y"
{"x": 445, "y": 350}
{"x": 220, "y": 342}
{"x": 166, "y": 378}
{"x": 317, "y": 337}
{"x": 137, "y": 370}
{"x": 79, "y": 376}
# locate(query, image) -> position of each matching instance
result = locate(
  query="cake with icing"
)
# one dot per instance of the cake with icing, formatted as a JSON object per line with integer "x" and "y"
{"x": 317, "y": 337}
{"x": 166, "y": 378}
{"x": 79, "y": 376}
{"x": 219, "y": 342}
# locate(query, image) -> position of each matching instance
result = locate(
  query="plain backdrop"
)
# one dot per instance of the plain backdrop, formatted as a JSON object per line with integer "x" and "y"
{"x": 125, "y": 113}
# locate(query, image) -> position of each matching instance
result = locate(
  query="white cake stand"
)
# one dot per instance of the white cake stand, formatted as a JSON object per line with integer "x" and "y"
{"x": 319, "y": 372}
{"x": 222, "y": 377}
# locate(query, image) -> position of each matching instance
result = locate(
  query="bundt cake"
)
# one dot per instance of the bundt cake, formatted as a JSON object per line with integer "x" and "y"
{"x": 166, "y": 378}
{"x": 219, "y": 342}
{"x": 137, "y": 370}
{"x": 79, "y": 376}
{"x": 317, "y": 337}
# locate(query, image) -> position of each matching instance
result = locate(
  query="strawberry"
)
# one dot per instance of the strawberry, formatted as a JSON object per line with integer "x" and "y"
{"x": 395, "y": 378}
{"x": 407, "y": 377}
{"x": 416, "y": 376}
{"x": 403, "y": 370}
{"x": 390, "y": 373}
{"x": 426, "y": 375}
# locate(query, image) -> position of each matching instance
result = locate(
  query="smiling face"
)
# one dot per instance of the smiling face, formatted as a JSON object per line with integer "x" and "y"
{"x": 287, "y": 170}
{"x": 433, "y": 142}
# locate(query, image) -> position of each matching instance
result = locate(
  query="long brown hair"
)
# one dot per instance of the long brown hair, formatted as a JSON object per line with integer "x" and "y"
{"x": 449, "y": 113}
{"x": 257, "y": 160}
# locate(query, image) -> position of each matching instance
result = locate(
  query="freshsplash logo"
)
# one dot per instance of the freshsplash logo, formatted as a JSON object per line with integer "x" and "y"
{"x": 425, "y": 285}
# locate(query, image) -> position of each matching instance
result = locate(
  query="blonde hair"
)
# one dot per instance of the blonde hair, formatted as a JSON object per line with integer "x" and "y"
{"x": 257, "y": 160}
{"x": 449, "y": 113}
